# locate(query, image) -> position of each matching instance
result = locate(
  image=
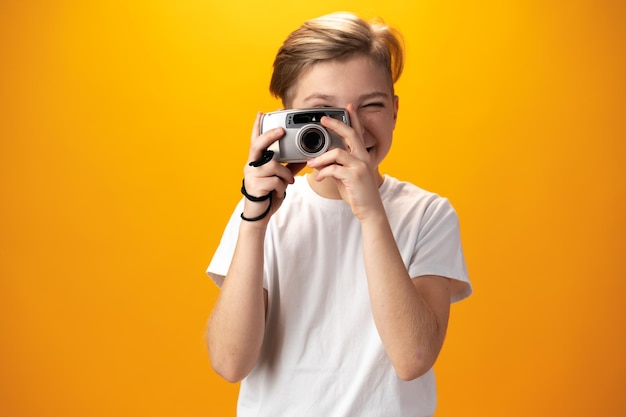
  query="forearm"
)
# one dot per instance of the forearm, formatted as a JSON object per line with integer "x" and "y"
{"x": 411, "y": 330}
{"x": 237, "y": 324}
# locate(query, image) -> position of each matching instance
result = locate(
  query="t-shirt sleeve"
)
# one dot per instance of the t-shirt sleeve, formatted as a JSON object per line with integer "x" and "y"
{"x": 220, "y": 263}
{"x": 439, "y": 251}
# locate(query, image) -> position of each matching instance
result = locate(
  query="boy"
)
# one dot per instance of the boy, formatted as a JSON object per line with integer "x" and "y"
{"x": 335, "y": 299}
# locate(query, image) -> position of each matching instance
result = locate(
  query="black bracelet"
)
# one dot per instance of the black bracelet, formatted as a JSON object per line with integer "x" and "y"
{"x": 251, "y": 197}
{"x": 259, "y": 217}
{"x": 265, "y": 158}
{"x": 268, "y": 196}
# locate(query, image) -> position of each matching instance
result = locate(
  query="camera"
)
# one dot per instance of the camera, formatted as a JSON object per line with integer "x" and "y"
{"x": 304, "y": 137}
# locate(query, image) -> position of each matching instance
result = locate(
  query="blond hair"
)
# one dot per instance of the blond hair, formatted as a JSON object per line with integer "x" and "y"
{"x": 337, "y": 36}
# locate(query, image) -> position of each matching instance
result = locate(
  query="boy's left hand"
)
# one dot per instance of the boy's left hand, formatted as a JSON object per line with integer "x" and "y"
{"x": 352, "y": 169}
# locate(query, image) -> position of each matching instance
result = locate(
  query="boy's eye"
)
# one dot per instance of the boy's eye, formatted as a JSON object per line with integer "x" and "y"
{"x": 375, "y": 104}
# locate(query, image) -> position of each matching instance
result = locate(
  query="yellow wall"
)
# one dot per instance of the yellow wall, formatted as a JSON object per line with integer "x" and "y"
{"x": 123, "y": 132}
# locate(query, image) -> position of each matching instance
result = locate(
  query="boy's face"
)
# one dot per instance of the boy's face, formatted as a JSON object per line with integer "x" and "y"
{"x": 363, "y": 84}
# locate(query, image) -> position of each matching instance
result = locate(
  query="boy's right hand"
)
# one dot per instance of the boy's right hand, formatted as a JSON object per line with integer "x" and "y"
{"x": 272, "y": 177}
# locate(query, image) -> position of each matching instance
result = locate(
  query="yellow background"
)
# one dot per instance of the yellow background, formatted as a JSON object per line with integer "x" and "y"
{"x": 123, "y": 133}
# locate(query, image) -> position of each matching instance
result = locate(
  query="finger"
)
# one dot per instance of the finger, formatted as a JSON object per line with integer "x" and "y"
{"x": 262, "y": 141}
{"x": 265, "y": 185}
{"x": 337, "y": 157}
{"x": 351, "y": 135}
{"x": 355, "y": 143}
{"x": 335, "y": 171}
{"x": 276, "y": 169}
{"x": 256, "y": 127}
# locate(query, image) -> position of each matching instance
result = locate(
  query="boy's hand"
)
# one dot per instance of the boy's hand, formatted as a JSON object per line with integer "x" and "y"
{"x": 271, "y": 177}
{"x": 352, "y": 169}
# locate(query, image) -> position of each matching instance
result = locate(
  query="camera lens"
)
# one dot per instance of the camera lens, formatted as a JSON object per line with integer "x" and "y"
{"x": 312, "y": 141}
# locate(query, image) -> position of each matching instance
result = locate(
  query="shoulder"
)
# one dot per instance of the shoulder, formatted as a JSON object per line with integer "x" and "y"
{"x": 395, "y": 188}
{"x": 408, "y": 197}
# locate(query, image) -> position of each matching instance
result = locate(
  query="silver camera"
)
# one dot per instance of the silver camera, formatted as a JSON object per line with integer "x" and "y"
{"x": 304, "y": 137}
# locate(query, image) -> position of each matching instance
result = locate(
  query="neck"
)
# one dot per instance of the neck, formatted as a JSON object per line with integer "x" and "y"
{"x": 327, "y": 188}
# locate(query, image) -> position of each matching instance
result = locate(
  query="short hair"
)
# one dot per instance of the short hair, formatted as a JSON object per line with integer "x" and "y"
{"x": 336, "y": 36}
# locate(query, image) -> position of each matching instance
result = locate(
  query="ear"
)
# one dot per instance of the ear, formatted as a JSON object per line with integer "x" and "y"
{"x": 396, "y": 105}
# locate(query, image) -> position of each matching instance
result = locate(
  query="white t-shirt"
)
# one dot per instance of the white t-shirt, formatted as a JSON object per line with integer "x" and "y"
{"x": 322, "y": 355}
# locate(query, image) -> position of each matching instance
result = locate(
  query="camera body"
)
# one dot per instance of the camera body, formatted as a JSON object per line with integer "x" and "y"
{"x": 304, "y": 137}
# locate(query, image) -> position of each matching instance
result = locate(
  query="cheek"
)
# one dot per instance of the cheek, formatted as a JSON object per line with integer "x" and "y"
{"x": 372, "y": 123}
{"x": 377, "y": 125}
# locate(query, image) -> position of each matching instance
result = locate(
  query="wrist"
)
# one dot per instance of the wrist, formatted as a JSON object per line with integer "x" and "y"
{"x": 374, "y": 219}
{"x": 254, "y": 229}
{"x": 256, "y": 212}
{"x": 253, "y": 200}
{"x": 372, "y": 213}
